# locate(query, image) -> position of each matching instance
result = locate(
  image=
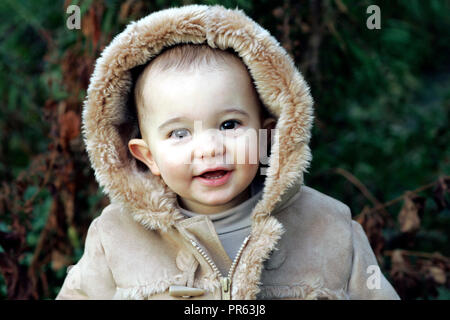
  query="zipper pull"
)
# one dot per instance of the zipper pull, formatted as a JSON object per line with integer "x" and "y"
{"x": 185, "y": 292}
{"x": 225, "y": 283}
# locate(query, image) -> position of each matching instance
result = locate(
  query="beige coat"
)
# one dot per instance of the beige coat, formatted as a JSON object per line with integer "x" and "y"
{"x": 303, "y": 244}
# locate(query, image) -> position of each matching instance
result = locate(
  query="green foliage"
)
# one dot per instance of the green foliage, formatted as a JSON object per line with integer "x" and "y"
{"x": 386, "y": 102}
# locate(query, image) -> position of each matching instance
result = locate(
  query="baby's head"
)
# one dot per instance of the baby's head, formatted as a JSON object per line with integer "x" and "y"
{"x": 198, "y": 110}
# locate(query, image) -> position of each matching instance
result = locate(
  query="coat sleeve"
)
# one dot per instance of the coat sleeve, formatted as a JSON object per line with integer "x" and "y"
{"x": 91, "y": 277}
{"x": 367, "y": 282}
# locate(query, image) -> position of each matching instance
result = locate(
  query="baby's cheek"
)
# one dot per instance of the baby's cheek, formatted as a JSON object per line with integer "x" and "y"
{"x": 173, "y": 155}
{"x": 174, "y": 167}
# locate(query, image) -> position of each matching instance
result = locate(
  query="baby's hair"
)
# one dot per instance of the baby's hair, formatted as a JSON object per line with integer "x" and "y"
{"x": 187, "y": 57}
{"x": 182, "y": 57}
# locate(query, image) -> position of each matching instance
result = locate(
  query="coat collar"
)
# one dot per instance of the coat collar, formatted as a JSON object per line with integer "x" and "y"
{"x": 279, "y": 84}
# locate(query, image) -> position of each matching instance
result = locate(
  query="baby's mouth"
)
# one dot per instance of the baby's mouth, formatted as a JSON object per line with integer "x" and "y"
{"x": 210, "y": 175}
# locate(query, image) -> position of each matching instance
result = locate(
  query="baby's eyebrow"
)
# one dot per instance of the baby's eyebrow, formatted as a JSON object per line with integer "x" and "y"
{"x": 181, "y": 118}
{"x": 234, "y": 110}
{"x": 172, "y": 120}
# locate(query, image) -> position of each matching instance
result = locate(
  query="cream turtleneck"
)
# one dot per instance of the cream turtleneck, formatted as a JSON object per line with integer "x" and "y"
{"x": 234, "y": 224}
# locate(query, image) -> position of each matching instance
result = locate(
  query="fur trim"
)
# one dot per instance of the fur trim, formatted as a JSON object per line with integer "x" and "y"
{"x": 265, "y": 234}
{"x": 144, "y": 292}
{"x": 208, "y": 283}
{"x": 278, "y": 82}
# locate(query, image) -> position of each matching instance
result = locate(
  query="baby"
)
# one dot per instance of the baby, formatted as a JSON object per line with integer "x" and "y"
{"x": 180, "y": 115}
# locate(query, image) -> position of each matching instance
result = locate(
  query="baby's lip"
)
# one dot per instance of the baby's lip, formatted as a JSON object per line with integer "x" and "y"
{"x": 213, "y": 169}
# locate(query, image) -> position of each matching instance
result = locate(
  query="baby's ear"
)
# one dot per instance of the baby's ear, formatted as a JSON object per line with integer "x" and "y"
{"x": 140, "y": 150}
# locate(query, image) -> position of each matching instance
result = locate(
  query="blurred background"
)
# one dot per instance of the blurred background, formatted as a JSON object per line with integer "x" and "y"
{"x": 380, "y": 139}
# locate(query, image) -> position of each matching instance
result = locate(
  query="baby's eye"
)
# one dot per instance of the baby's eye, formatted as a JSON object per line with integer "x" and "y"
{"x": 179, "y": 133}
{"x": 229, "y": 125}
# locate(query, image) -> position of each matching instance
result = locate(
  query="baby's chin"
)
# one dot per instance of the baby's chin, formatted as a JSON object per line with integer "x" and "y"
{"x": 215, "y": 199}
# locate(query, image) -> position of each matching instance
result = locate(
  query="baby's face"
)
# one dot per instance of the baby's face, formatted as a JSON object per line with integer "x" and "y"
{"x": 197, "y": 121}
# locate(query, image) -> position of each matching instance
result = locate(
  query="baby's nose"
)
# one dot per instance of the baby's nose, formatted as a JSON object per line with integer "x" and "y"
{"x": 209, "y": 145}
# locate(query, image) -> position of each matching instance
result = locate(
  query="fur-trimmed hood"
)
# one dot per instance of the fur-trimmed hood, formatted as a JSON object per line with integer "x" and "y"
{"x": 279, "y": 84}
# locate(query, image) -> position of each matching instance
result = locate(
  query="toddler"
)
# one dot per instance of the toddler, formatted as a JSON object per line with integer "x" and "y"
{"x": 181, "y": 113}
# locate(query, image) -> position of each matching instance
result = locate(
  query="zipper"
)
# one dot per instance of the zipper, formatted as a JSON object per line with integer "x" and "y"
{"x": 225, "y": 281}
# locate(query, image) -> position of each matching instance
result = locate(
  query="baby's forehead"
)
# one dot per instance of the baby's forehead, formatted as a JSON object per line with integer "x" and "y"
{"x": 155, "y": 73}
{"x": 168, "y": 88}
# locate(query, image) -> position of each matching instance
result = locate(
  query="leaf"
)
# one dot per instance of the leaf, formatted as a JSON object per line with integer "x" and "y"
{"x": 409, "y": 216}
{"x": 125, "y": 9}
{"x": 406, "y": 279}
{"x": 59, "y": 260}
{"x": 91, "y": 23}
{"x": 438, "y": 275}
{"x": 69, "y": 127}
